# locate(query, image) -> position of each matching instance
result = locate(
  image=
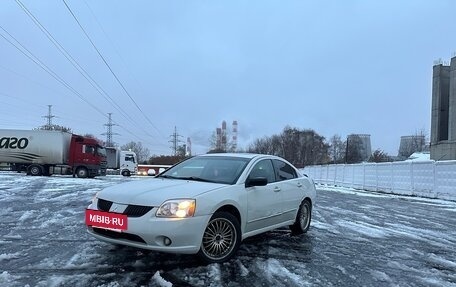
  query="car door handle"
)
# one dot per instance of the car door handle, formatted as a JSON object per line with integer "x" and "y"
{"x": 276, "y": 189}
{"x": 299, "y": 184}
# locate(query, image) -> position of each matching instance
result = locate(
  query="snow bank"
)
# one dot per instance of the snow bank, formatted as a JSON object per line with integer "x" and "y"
{"x": 160, "y": 281}
{"x": 6, "y": 279}
{"x": 8, "y": 256}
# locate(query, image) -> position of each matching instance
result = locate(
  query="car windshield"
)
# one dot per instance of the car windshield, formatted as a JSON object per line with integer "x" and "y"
{"x": 215, "y": 169}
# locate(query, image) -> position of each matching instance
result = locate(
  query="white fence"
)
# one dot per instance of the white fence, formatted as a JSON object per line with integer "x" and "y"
{"x": 420, "y": 178}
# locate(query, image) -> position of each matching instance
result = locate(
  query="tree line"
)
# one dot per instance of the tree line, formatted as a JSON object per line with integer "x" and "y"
{"x": 301, "y": 147}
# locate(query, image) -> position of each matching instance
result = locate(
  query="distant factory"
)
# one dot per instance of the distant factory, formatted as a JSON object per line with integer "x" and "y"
{"x": 411, "y": 144}
{"x": 360, "y": 143}
{"x": 222, "y": 139}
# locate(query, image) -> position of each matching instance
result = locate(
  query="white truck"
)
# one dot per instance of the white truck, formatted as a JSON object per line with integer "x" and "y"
{"x": 123, "y": 162}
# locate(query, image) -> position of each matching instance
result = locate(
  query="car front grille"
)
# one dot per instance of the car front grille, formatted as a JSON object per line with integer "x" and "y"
{"x": 118, "y": 235}
{"x": 104, "y": 205}
{"x": 131, "y": 210}
{"x": 137, "y": 210}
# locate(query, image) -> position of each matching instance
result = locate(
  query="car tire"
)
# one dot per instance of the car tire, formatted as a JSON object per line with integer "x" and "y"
{"x": 126, "y": 173}
{"x": 303, "y": 218}
{"x": 221, "y": 238}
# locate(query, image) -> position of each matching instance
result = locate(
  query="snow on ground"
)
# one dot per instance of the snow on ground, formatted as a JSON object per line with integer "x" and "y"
{"x": 160, "y": 281}
{"x": 356, "y": 239}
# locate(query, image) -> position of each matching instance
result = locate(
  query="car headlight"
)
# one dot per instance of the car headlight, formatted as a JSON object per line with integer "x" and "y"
{"x": 179, "y": 208}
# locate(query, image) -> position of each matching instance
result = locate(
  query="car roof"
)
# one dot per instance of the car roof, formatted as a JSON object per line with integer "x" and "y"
{"x": 241, "y": 155}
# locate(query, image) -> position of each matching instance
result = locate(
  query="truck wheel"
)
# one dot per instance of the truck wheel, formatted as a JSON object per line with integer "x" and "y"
{"x": 82, "y": 172}
{"x": 126, "y": 173}
{"x": 35, "y": 170}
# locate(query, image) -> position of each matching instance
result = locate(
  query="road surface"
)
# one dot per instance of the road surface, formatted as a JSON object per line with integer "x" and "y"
{"x": 356, "y": 239}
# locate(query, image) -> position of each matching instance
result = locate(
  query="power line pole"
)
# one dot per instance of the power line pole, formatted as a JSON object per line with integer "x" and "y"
{"x": 109, "y": 133}
{"x": 48, "y": 125}
{"x": 175, "y": 141}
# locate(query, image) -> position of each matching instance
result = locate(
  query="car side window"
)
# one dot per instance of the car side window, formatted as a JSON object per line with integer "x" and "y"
{"x": 284, "y": 171}
{"x": 263, "y": 168}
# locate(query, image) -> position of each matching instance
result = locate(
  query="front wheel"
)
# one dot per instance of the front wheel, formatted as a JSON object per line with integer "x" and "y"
{"x": 82, "y": 172}
{"x": 221, "y": 238}
{"x": 303, "y": 218}
{"x": 126, "y": 173}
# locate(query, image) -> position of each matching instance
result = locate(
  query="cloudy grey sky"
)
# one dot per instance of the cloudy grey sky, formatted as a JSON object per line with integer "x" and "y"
{"x": 338, "y": 67}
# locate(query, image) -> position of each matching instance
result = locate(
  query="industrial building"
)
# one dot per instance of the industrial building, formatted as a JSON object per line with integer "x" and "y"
{"x": 443, "y": 114}
{"x": 411, "y": 144}
{"x": 221, "y": 138}
{"x": 361, "y": 143}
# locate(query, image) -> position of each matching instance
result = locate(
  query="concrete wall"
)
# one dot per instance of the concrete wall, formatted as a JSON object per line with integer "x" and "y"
{"x": 419, "y": 178}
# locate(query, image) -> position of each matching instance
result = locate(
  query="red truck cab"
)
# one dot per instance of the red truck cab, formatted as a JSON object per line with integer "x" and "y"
{"x": 86, "y": 157}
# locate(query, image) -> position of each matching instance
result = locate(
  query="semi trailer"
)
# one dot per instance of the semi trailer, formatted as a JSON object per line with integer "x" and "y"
{"x": 42, "y": 152}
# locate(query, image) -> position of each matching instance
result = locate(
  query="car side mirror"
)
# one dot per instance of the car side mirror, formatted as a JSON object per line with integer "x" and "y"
{"x": 256, "y": 181}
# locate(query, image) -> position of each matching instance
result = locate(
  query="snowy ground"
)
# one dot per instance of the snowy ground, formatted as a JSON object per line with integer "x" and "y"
{"x": 356, "y": 239}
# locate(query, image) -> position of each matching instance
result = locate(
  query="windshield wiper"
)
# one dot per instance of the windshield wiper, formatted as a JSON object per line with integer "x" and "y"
{"x": 168, "y": 176}
{"x": 195, "y": 178}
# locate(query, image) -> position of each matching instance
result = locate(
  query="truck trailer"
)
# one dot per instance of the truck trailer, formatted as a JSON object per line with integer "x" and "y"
{"x": 42, "y": 152}
{"x": 123, "y": 162}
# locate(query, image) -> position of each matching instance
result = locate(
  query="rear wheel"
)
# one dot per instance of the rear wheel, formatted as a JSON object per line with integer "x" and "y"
{"x": 221, "y": 238}
{"x": 303, "y": 218}
{"x": 35, "y": 170}
{"x": 82, "y": 172}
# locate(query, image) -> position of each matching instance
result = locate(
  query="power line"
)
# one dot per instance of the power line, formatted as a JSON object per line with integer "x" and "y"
{"x": 79, "y": 68}
{"x": 44, "y": 67}
{"x": 112, "y": 45}
{"x": 73, "y": 62}
{"x": 110, "y": 69}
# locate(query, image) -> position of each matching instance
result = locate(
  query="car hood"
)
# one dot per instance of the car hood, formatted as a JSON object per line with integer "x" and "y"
{"x": 153, "y": 192}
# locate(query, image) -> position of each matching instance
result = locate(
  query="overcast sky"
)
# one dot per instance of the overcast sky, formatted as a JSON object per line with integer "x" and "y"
{"x": 338, "y": 67}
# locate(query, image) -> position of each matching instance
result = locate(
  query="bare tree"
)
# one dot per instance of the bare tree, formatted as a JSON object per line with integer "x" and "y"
{"x": 379, "y": 156}
{"x": 54, "y": 128}
{"x": 99, "y": 141}
{"x": 300, "y": 147}
{"x": 336, "y": 149}
{"x": 141, "y": 152}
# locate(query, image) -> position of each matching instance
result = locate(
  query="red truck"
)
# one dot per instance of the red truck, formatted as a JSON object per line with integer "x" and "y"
{"x": 41, "y": 152}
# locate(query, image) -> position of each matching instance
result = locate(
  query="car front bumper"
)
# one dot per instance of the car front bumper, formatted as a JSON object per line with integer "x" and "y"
{"x": 151, "y": 232}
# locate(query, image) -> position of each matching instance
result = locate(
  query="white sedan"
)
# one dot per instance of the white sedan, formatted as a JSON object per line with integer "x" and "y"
{"x": 205, "y": 205}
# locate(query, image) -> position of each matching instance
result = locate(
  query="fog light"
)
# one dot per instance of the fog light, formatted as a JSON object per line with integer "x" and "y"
{"x": 167, "y": 241}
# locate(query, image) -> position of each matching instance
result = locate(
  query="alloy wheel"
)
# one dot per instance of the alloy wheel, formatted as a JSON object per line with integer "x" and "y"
{"x": 219, "y": 239}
